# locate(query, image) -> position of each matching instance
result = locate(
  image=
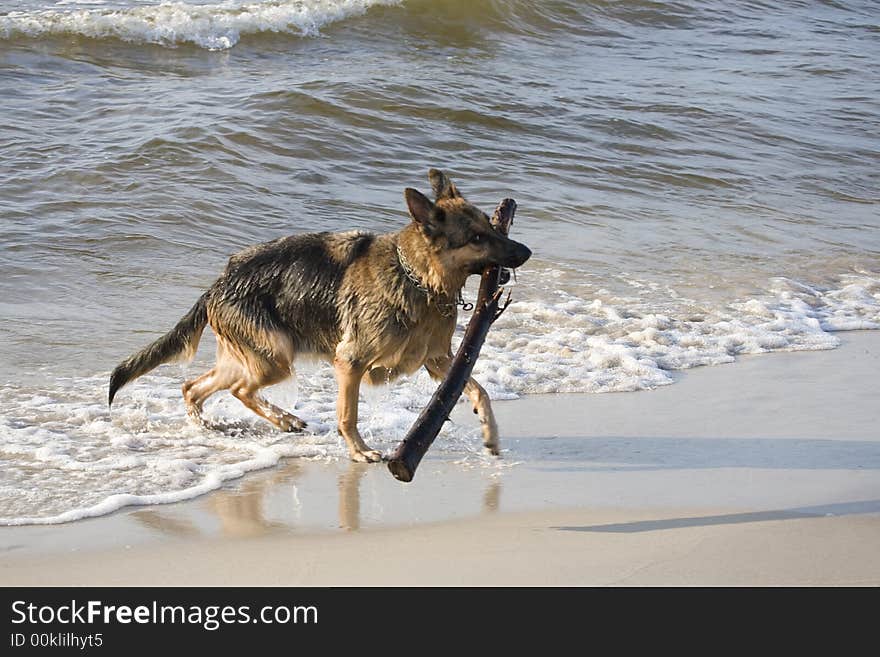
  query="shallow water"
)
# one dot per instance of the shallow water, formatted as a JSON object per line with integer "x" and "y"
{"x": 696, "y": 180}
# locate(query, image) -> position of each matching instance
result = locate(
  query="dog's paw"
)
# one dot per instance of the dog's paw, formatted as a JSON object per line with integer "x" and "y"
{"x": 202, "y": 422}
{"x": 367, "y": 456}
{"x": 194, "y": 413}
{"x": 292, "y": 424}
{"x": 492, "y": 449}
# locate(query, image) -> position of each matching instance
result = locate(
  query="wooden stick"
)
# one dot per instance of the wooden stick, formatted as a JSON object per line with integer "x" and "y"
{"x": 409, "y": 453}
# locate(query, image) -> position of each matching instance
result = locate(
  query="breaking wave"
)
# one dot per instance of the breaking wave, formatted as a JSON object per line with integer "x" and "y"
{"x": 211, "y": 26}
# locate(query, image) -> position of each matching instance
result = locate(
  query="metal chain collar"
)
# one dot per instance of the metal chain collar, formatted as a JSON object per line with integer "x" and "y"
{"x": 410, "y": 274}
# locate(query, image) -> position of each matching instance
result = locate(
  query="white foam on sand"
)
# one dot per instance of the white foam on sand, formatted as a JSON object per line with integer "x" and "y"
{"x": 64, "y": 456}
{"x": 213, "y": 26}
{"x": 591, "y": 342}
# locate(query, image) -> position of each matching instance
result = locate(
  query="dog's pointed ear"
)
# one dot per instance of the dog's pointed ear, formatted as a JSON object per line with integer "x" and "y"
{"x": 419, "y": 205}
{"x": 442, "y": 185}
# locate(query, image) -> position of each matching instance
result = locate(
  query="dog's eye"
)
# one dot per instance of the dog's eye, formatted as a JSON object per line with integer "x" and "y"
{"x": 477, "y": 239}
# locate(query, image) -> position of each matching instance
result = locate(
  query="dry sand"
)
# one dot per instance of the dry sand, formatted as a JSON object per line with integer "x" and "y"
{"x": 763, "y": 472}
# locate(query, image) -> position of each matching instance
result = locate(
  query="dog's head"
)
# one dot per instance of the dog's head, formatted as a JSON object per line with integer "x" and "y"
{"x": 459, "y": 233}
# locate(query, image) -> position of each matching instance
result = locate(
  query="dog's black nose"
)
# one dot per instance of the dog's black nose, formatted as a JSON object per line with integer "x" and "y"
{"x": 520, "y": 254}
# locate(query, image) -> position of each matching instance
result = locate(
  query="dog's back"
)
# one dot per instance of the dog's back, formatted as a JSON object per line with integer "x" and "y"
{"x": 289, "y": 285}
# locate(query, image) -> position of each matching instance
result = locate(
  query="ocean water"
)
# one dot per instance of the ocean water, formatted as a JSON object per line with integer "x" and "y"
{"x": 697, "y": 181}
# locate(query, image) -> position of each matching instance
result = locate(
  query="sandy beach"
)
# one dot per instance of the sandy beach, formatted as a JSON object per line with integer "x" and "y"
{"x": 762, "y": 472}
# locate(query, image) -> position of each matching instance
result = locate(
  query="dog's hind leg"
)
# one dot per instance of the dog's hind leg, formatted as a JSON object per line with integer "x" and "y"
{"x": 437, "y": 368}
{"x": 197, "y": 391}
{"x": 246, "y": 392}
{"x": 259, "y": 371}
{"x": 243, "y": 372}
{"x": 219, "y": 377}
{"x": 260, "y": 353}
{"x": 348, "y": 376}
{"x": 192, "y": 397}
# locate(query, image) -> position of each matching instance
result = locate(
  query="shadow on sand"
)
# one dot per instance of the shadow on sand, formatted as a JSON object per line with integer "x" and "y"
{"x": 841, "y": 509}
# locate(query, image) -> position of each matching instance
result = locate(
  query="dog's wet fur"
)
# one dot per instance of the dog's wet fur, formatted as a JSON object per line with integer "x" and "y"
{"x": 377, "y": 306}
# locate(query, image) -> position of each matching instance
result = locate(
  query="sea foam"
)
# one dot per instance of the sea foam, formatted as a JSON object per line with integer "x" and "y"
{"x": 567, "y": 342}
{"x": 212, "y": 26}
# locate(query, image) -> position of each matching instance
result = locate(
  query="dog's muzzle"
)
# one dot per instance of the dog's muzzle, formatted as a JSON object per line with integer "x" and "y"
{"x": 517, "y": 255}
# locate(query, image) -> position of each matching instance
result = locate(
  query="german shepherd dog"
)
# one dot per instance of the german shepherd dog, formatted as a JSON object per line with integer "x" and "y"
{"x": 377, "y": 306}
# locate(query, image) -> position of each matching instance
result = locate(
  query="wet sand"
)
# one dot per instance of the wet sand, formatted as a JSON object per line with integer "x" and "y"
{"x": 766, "y": 471}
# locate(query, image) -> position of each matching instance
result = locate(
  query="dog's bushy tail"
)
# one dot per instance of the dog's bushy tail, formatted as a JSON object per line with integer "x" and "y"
{"x": 180, "y": 342}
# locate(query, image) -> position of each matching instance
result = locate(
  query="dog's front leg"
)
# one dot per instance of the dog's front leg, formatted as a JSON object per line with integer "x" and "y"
{"x": 348, "y": 376}
{"x": 437, "y": 368}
